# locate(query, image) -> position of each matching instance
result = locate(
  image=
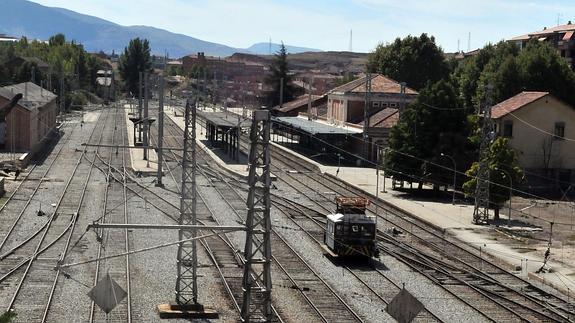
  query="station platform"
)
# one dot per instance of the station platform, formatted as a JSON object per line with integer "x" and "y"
{"x": 237, "y": 168}
{"x": 139, "y": 164}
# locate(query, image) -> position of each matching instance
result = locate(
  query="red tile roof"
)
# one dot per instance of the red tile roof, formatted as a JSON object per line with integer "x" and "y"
{"x": 515, "y": 103}
{"x": 298, "y": 102}
{"x": 548, "y": 31}
{"x": 385, "y": 118}
{"x": 379, "y": 84}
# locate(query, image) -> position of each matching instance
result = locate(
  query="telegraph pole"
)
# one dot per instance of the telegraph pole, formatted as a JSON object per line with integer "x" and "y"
{"x": 160, "y": 131}
{"x": 140, "y": 106}
{"x": 145, "y": 120}
{"x": 481, "y": 209}
{"x": 257, "y": 282}
{"x": 366, "y": 114}
{"x": 281, "y": 92}
{"x": 309, "y": 99}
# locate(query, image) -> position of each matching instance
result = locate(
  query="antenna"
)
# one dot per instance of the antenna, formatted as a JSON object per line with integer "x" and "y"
{"x": 458, "y": 42}
{"x": 351, "y": 40}
{"x": 469, "y": 42}
{"x": 270, "y": 47}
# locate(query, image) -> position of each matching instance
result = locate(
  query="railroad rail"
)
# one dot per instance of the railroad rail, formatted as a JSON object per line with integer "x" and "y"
{"x": 32, "y": 289}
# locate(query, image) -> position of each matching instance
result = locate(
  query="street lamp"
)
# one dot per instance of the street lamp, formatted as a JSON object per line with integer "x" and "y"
{"x": 454, "y": 175}
{"x": 505, "y": 173}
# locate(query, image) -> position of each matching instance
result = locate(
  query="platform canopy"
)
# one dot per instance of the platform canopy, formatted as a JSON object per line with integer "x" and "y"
{"x": 313, "y": 127}
{"x": 224, "y": 119}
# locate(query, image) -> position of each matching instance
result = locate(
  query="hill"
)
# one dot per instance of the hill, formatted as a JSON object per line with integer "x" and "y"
{"x": 25, "y": 18}
{"x": 264, "y": 49}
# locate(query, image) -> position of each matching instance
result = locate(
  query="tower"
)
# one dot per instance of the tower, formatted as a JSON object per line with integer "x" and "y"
{"x": 257, "y": 283}
{"x": 481, "y": 209}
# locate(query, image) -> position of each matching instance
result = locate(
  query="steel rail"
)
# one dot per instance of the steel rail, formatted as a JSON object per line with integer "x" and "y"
{"x": 38, "y": 247}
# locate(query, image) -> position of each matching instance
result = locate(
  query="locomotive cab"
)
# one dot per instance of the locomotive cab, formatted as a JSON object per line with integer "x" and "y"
{"x": 350, "y": 231}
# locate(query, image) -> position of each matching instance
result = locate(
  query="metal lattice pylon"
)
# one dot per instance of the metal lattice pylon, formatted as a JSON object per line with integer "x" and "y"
{"x": 186, "y": 282}
{"x": 257, "y": 283}
{"x": 481, "y": 210}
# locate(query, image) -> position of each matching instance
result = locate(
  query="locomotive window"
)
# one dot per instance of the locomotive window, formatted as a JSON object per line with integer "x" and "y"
{"x": 367, "y": 231}
{"x": 355, "y": 228}
{"x": 338, "y": 229}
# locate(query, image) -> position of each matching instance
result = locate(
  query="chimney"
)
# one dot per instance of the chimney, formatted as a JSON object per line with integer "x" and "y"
{"x": 569, "y": 22}
{"x": 544, "y": 28}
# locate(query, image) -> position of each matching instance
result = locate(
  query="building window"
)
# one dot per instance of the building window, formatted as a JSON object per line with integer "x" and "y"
{"x": 376, "y": 104}
{"x": 393, "y": 105}
{"x": 508, "y": 129}
{"x": 559, "y": 130}
{"x": 384, "y": 104}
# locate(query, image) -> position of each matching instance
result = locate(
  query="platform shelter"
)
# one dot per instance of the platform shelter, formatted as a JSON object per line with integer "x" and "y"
{"x": 223, "y": 131}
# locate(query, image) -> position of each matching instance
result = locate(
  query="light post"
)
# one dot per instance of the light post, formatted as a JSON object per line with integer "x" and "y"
{"x": 454, "y": 175}
{"x": 510, "y": 192}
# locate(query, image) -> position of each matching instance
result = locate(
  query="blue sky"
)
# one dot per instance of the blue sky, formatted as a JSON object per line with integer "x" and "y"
{"x": 326, "y": 24}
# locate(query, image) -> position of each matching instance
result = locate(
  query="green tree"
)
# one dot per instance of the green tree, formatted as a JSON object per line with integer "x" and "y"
{"x": 536, "y": 67}
{"x": 279, "y": 70}
{"x": 414, "y": 60}
{"x": 435, "y": 123}
{"x": 7, "y": 317}
{"x": 135, "y": 59}
{"x": 57, "y": 40}
{"x": 502, "y": 162}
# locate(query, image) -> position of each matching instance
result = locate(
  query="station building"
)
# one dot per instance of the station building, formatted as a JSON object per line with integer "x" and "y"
{"x": 31, "y": 121}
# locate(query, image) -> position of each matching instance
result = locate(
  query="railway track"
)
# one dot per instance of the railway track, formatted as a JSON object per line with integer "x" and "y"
{"x": 323, "y": 299}
{"x": 510, "y": 294}
{"x": 28, "y": 272}
{"x": 114, "y": 210}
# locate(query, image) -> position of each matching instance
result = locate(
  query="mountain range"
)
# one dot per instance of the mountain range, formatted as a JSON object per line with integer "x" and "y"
{"x": 25, "y": 18}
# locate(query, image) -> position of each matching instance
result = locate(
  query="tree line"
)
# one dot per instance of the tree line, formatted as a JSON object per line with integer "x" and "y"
{"x": 444, "y": 118}
{"x": 67, "y": 60}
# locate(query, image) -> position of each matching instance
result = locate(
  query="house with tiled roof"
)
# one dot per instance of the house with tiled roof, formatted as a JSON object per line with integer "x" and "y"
{"x": 346, "y": 105}
{"x": 560, "y": 37}
{"x": 31, "y": 122}
{"x": 541, "y": 129}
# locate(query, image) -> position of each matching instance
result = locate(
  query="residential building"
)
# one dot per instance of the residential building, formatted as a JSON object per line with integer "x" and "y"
{"x": 560, "y": 37}
{"x": 346, "y": 103}
{"x": 31, "y": 121}
{"x": 541, "y": 129}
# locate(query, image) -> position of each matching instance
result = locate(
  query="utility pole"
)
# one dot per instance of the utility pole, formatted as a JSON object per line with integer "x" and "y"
{"x": 186, "y": 283}
{"x": 481, "y": 209}
{"x": 281, "y": 92}
{"x": 366, "y": 114}
{"x": 140, "y": 77}
{"x": 309, "y": 99}
{"x": 257, "y": 282}
{"x": 145, "y": 120}
{"x": 160, "y": 131}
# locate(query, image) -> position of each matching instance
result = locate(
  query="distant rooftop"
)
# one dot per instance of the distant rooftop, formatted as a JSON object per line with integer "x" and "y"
{"x": 515, "y": 103}
{"x": 379, "y": 84}
{"x": 34, "y": 95}
{"x": 567, "y": 29}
